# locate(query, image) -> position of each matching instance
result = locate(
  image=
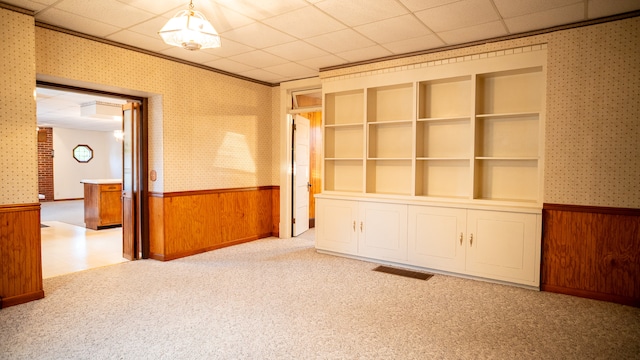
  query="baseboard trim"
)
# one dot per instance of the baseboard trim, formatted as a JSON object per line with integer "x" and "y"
{"x": 591, "y": 295}
{"x": 170, "y": 257}
{"x": 592, "y": 209}
{"x": 209, "y": 191}
{"x": 21, "y": 299}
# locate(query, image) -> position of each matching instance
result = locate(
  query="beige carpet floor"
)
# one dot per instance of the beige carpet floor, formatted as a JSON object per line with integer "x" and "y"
{"x": 279, "y": 299}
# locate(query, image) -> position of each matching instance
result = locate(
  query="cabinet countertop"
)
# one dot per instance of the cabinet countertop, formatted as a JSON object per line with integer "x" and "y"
{"x": 101, "y": 181}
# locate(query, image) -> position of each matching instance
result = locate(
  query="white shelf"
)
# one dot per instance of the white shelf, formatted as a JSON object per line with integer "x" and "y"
{"x": 508, "y": 115}
{"x": 450, "y": 118}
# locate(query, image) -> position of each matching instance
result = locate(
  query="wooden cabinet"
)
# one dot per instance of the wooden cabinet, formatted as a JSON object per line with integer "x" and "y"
{"x": 102, "y": 204}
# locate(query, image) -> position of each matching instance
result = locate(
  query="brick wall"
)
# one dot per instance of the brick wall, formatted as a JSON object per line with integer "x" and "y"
{"x": 45, "y": 163}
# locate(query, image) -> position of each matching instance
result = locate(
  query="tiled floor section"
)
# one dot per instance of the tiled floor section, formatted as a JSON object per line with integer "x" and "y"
{"x": 69, "y": 248}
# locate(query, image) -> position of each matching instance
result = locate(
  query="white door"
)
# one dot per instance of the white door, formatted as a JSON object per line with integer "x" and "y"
{"x": 502, "y": 246}
{"x": 301, "y": 175}
{"x": 436, "y": 237}
{"x": 336, "y": 228}
{"x": 383, "y": 231}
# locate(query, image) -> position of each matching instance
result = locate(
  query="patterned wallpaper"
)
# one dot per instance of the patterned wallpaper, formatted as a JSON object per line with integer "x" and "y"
{"x": 207, "y": 130}
{"x": 275, "y": 135}
{"x": 18, "y": 137}
{"x": 592, "y": 135}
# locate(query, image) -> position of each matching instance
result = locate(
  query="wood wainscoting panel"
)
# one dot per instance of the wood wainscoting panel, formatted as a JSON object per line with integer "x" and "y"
{"x": 20, "y": 254}
{"x": 275, "y": 211}
{"x": 592, "y": 252}
{"x": 187, "y": 223}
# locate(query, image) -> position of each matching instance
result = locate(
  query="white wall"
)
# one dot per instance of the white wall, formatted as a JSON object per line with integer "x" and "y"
{"x": 67, "y": 172}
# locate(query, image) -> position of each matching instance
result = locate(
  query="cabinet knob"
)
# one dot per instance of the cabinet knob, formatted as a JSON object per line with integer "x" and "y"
{"x": 471, "y": 240}
{"x": 360, "y": 226}
{"x": 354, "y": 225}
{"x": 461, "y": 236}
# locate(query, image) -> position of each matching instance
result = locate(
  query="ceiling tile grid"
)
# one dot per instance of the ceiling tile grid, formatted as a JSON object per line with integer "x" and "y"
{"x": 279, "y": 40}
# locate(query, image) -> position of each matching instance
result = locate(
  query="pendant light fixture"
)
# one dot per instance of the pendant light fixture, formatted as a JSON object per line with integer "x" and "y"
{"x": 190, "y": 30}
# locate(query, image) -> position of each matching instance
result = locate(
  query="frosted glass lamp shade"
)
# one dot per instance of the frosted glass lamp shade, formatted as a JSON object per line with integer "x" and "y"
{"x": 190, "y": 30}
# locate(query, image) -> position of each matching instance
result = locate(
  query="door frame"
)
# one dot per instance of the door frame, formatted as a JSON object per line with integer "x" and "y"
{"x": 286, "y": 144}
{"x": 142, "y": 213}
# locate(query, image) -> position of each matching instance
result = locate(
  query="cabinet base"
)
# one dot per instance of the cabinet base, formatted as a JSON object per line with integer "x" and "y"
{"x": 430, "y": 270}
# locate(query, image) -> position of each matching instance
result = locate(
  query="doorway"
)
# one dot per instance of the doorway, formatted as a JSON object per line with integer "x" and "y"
{"x": 306, "y": 111}
{"x": 73, "y": 115}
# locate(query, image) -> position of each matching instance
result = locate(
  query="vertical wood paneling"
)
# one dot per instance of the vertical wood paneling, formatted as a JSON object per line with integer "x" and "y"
{"x": 188, "y": 223}
{"x": 592, "y": 253}
{"x": 315, "y": 162}
{"x": 156, "y": 225}
{"x": 20, "y": 254}
{"x": 275, "y": 211}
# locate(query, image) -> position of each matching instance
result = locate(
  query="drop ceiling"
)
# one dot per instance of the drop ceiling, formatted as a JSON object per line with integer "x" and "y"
{"x": 280, "y": 40}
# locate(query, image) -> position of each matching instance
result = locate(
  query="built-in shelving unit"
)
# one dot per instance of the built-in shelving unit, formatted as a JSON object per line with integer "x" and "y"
{"x": 344, "y": 141}
{"x": 438, "y": 168}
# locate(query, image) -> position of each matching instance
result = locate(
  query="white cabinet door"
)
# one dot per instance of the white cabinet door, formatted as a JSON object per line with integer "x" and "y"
{"x": 502, "y": 246}
{"x": 383, "y": 231}
{"x": 436, "y": 237}
{"x": 336, "y": 226}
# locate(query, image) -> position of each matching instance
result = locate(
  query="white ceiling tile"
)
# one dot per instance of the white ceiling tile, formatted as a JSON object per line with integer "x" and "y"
{"x": 473, "y": 33}
{"x": 198, "y": 57}
{"x": 160, "y": 7}
{"x": 354, "y": 13}
{"x": 340, "y": 41}
{"x": 295, "y": 51}
{"x": 291, "y": 69}
{"x": 304, "y": 23}
{"x": 513, "y": 8}
{"x": 417, "y": 5}
{"x": 258, "y": 59}
{"x": 30, "y": 5}
{"x": 323, "y": 61}
{"x": 138, "y": 40}
{"x": 258, "y": 36}
{"x": 394, "y": 29}
{"x": 228, "y": 48}
{"x": 110, "y": 12}
{"x": 415, "y": 44}
{"x": 74, "y": 22}
{"x": 372, "y": 52}
{"x": 151, "y": 26}
{"x": 222, "y": 18}
{"x": 600, "y": 8}
{"x": 262, "y": 9}
{"x": 261, "y": 75}
{"x": 458, "y": 15}
{"x": 544, "y": 19}
{"x": 229, "y": 66}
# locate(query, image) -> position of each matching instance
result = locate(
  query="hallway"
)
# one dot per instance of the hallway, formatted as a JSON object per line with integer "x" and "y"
{"x": 67, "y": 246}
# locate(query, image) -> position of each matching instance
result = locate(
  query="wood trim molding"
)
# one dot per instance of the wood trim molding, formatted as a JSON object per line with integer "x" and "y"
{"x": 21, "y": 299}
{"x": 210, "y": 191}
{"x": 624, "y": 300}
{"x": 592, "y": 209}
{"x": 162, "y": 257}
{"x": 19, "y": 207}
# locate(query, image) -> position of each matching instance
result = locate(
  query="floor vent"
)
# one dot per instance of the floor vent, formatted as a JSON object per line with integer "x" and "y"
{"x": 403, "y": 272}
